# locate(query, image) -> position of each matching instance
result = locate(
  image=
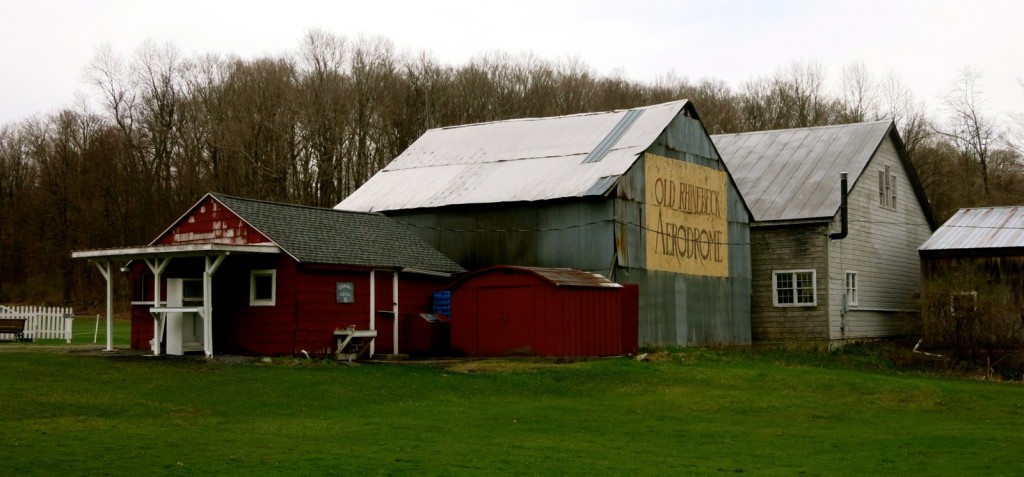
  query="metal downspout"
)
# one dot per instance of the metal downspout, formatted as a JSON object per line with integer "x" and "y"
{"x": 843, "y": 211}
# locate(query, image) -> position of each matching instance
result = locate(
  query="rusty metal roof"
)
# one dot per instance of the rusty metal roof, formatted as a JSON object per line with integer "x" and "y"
{"x": 516, "y": 160}
{"x": 567, "y": 277}
{"x": 793, "y": 174}
{"x": 980, "y": 228}
{"x": 559, "y": 277}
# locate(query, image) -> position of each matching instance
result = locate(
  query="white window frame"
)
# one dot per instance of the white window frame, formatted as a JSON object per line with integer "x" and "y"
{"x": 253, "y": 300}
{"x": 892, "y": 180}
{"x": 882, "y": 200}
{"x": 852, "y": 289}
{"x": 186, "y": 285}
{"x": 953, "y": 298}
{"x": 793, "y": 277}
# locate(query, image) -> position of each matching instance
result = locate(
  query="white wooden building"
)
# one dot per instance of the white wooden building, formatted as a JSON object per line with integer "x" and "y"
{"x": 812, "y": 283}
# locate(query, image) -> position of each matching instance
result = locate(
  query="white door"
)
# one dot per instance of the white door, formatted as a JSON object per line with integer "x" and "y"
{"x": 184, "y": 330}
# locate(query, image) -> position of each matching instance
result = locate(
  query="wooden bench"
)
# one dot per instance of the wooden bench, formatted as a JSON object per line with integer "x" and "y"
{"x": 352, "y": 343}
{"x": 15, "y": 326}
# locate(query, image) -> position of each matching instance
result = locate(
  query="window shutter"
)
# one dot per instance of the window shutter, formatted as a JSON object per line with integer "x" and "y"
{"x": 881, "y": 188}
{"x": 893, "y": 191}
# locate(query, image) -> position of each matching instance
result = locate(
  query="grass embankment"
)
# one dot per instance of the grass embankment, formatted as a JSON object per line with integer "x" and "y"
{"x": 684, "y": 413}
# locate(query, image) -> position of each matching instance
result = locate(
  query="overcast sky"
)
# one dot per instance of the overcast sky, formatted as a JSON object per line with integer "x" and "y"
{"x": 45, "y": 44}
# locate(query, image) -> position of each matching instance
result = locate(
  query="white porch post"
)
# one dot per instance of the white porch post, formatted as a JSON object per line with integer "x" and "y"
{"x": 394, "y": 307}
{"x": 104, "y": 267}
{"x": 211, "y": 268}
{"x": 157, "y": 266}
{"x": 373, "y": 304}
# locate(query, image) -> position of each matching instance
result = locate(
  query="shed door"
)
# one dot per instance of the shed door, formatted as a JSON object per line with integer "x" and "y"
{"x": 506, "y": 321}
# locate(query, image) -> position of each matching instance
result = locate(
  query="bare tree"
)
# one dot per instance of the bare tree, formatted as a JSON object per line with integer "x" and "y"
{"x": 968, "y": 127}
{"x": 910, "y": 114}
{"x": 859, "y": 93}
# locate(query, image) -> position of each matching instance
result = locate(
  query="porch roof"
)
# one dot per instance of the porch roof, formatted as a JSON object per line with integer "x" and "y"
{"x": 172, "y": 251}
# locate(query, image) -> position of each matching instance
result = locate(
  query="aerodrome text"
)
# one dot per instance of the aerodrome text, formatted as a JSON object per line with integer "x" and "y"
{"x": 688, "y": 243}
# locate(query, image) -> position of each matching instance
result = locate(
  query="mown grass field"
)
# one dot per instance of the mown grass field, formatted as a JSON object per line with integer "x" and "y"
{"x": 690, "y": 412}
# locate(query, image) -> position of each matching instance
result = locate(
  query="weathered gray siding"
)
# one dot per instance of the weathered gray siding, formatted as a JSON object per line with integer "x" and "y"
{"x": 790, "y": 247}
{"x": 882, "y": 248}
{"x": 681, "y": 309}
{"x": 607, "y": 236}
{"x": 571, "y": 234}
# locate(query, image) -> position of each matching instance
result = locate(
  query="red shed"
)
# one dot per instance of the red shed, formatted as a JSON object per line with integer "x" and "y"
{"x": 507, "y": 310}
{"x": 250, "y": 276}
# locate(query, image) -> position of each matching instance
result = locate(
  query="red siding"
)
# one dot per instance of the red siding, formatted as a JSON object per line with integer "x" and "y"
{"x": 305, "y": 313}
{"x": 510, "y": 311}
{"x": 211, "y": 222}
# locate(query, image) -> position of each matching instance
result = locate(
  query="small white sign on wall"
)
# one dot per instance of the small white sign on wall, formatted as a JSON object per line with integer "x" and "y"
{"x": 345, "y": 292}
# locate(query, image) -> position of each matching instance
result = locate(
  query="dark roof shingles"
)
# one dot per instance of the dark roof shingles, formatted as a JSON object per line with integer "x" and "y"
{"x": 329, "y": 236}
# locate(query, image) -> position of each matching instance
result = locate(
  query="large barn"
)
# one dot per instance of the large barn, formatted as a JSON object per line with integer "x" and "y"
{"x": 640, "y": 196}
{"x": 241, "y": 275}
{"x": 818, "y": 277}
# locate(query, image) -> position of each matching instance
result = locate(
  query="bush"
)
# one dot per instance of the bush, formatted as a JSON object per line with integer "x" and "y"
{"x": 969, "y": 312}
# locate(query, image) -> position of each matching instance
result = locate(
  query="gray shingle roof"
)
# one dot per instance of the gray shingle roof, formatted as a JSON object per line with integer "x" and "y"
{"x": 337, "y": 237}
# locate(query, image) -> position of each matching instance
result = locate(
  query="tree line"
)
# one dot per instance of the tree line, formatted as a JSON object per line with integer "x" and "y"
{"x": 309, "y": 127}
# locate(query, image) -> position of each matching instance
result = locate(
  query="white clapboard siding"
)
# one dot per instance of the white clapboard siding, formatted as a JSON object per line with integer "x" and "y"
{"x": 52, "y": 323}
{"x": 882, "y": 248}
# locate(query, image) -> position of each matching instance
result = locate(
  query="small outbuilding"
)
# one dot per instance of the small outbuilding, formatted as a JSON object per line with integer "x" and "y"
{"x": 506, "y": 310}
{"x": 249, "y": 276}
{"x": 973, "y": 279}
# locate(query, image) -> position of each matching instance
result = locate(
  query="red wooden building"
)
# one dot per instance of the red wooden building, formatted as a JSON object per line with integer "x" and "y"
{"x": 506, "y": 310}
{"x": 247, "y": 276}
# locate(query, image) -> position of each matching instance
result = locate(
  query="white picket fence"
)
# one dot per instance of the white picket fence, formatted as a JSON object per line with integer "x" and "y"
{"x": 41, "y": 323}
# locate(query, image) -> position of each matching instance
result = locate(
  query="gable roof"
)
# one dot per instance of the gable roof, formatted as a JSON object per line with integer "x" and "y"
{"x": 517, "y": 160}
{"x": 979, "y": 228}
{"x": 335, "y": 237}
{"x": 793, "y": 174}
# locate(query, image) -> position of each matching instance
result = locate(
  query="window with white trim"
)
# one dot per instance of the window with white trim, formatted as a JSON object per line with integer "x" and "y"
{"x": 963, "y": 303}
{"x": 192, "y": 292}
{"x": 851, "y": 288}
{"x": 262, "y": 287}
{"x": 794, "y": 288}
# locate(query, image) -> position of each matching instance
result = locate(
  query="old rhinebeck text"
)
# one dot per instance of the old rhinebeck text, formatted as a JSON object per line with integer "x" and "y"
{"x": 685, "y": 242}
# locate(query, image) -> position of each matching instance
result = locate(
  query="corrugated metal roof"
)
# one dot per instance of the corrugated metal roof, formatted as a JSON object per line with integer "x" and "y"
{"x": 793, "y": 174}
{"x": 516, "y": 160}
{"x": 328, "y": 236}
{"x": 567, "y": 277}
{"x": 988, "y": 227}
{"x": 559, "y": 277}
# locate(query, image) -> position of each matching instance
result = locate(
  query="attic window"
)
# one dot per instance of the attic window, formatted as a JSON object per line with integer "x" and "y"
{"x": 262, "y": 287}
{"x": 887, "y": 188}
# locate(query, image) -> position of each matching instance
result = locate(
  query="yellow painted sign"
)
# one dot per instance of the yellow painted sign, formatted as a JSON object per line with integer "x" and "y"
{"x": 687, "y": 227}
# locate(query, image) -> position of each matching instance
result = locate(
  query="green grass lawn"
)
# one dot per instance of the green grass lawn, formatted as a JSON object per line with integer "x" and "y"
{"x": 87, "y": 330}
{"x": 694, "y": 412}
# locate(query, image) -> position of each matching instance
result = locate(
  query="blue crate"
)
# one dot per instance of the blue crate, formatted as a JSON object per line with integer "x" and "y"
{"x": 442, "y": 303}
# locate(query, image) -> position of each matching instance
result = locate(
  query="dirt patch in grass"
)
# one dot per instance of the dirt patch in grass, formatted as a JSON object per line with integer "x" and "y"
{"x": 508, "y": 365}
